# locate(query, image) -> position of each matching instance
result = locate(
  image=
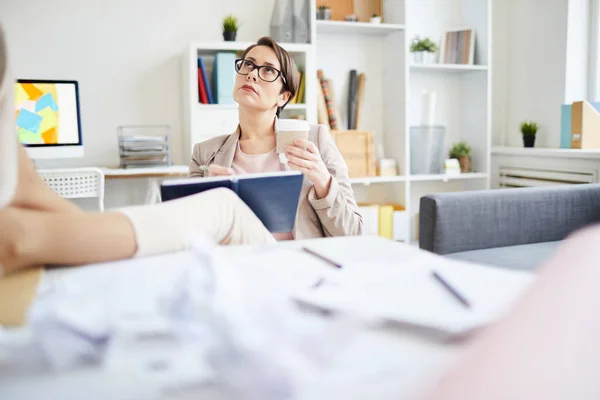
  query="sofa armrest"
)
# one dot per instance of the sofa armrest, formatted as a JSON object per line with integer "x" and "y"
{"x": 463, "y": 221}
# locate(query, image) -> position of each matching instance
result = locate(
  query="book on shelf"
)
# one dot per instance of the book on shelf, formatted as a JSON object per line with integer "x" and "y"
{"x": 203, "y": 84}
{"x": 224, "y": 77}
{"x": 299, "y": 96}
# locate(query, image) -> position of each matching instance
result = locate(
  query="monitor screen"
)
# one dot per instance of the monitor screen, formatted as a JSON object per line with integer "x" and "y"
{"x": 47, "y": 113}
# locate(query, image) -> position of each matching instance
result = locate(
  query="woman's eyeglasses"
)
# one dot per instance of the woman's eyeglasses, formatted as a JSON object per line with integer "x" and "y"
{"x": 265, "y": 72}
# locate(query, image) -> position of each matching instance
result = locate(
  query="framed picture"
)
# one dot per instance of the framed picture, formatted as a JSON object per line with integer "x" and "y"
{"x": 458, "y": 46}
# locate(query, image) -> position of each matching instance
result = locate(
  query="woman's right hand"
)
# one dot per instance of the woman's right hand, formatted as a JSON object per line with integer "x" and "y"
{"x": 217, "y": 170}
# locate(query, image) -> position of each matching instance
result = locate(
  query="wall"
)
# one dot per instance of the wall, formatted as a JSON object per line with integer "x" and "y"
{"x": 126, "y": 55}
{"x": 529, "y": 68}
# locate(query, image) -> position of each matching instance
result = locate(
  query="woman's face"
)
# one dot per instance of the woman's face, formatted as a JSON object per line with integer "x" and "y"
{"x": 252, "y": 92}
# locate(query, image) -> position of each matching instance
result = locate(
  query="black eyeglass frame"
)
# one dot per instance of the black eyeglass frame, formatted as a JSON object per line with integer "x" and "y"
{"x": 258, "y": 67}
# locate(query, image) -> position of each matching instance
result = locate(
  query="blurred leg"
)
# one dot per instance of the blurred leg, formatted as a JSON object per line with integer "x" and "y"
{"x": 32, "y": 237}
{"x": 548, "y": 347}
{"x": 219, "y": 214}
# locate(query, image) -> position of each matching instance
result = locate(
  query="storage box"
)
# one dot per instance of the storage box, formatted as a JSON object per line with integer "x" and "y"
{"x": 358, "y": 150}
{"x": 386, "y": 219}
{"x": 427, "y": 149}
{"x": 400, "y": 223}
{"x": 370, "y": 214}
{"x": 363, "y": 9}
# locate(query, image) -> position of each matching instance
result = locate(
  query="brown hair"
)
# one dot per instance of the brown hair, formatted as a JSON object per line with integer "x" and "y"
{"x": 289, "y": 70}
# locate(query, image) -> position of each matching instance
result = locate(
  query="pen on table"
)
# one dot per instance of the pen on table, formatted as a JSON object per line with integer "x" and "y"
{"x": 321, "y": 257}
{"x": 451, "y": 289}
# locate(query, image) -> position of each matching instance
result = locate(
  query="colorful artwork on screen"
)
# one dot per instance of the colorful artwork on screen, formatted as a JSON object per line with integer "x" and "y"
{"x": 37, "y": 113}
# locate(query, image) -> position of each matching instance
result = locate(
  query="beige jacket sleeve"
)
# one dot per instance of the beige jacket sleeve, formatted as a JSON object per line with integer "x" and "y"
{"x": 338, "y": 212}
{"x": 195, "y": 170}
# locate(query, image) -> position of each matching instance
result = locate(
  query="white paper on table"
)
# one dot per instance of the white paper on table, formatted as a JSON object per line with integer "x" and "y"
{"x": 407, "y": 293}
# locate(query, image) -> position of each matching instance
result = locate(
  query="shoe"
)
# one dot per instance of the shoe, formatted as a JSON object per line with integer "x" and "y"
{"x": 8, "y": 134}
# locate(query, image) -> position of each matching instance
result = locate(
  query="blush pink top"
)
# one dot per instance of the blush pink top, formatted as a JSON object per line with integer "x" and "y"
{"x": 258, "y": 163}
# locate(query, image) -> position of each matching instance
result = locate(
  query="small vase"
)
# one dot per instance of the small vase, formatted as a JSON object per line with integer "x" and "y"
{"x": 324, "y": 15}
{"x": 428, "y": 57}
{"x": 528, "y": 141}
{"x": 375, "y": 20}
{"x": 229, "y": 36}
{"x": 417, "y": 57}
{"x": 465, "y": 164}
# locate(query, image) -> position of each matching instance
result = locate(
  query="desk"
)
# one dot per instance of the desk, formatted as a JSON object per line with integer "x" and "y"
{"x": 377, "y": 364}
{"x": 153, "y": 174}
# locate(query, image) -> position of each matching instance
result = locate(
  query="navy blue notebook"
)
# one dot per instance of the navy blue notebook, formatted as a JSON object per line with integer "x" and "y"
{"x": 273, "y": 197}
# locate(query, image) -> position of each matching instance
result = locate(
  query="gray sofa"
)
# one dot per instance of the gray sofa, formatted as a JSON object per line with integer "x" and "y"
{"x": 515, "y": 228}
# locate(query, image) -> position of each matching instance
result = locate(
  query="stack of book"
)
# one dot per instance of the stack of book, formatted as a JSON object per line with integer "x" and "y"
{"x": 216, "y": 77}
{"x": 147, "y": 146}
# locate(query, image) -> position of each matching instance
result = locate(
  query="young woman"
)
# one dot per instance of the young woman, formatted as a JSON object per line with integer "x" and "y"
{"x": 267, "y": 78}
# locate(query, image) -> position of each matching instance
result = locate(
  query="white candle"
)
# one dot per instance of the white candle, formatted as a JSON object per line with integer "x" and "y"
{"x": 427, "y": 108}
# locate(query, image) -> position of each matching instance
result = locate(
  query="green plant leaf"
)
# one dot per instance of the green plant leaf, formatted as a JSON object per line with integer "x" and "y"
{"x": 460, "y": 149}
{"x": 529, "y": 128}
{"x": 230, "y": 24}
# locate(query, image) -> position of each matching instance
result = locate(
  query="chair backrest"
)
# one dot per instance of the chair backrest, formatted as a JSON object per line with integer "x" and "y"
{"x": 76, "y": 183}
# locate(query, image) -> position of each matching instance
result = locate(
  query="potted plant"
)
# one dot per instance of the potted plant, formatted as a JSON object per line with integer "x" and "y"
{"x": 462, "y": 152}
{"x": 529, "y": 130}
{"x": 230, "y": 28}
{"x": 324, "y": 13}
{"x": 423, "y": 50}
{"x": 375, "y": 19}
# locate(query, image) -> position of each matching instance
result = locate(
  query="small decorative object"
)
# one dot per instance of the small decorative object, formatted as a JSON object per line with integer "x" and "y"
{"x": 387, "y": 167}
{"x": 230, "y": 28}
{"x": 423, "y": 50}
{"x": 462, "y": 152}
{"x": 427, "y": 152}
{"x": 529, "y": 130}
{"x": 375, "y": 19}
{"x": 324, "y": 13}
{"x": 290, "y": 21}
{"x": 458, "y": 47}
{"x": 452, "y": 167}
{"x": 351, "y": 18}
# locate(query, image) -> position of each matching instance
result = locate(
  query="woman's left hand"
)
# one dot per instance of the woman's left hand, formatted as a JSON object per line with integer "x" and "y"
{"x": 304, "y": 156}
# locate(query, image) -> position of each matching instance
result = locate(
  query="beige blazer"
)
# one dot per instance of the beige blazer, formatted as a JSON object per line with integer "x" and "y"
{"x": 335, "y": 215}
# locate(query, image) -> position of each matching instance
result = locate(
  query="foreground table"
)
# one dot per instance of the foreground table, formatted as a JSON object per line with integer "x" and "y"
{"x": 377, "y": 363}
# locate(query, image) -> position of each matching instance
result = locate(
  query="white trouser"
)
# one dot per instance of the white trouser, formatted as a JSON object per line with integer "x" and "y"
{"x": 218, "y": 214}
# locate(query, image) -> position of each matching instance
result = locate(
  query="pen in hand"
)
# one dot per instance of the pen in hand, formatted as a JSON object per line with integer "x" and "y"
{"x": 461, "y": 299}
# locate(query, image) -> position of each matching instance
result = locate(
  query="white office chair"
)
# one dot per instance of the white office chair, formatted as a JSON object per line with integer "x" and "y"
{"x": 76, "y": 183}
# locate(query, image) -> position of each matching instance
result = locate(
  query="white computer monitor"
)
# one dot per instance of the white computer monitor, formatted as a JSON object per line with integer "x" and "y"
{"x": 47, "y": 118}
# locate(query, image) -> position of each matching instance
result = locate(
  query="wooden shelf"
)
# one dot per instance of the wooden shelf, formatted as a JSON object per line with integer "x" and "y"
{"x": 377, "y": 179}
{"x": 444, "y": 177}
{"x": 359, "y": 28}
{"x": 448, "y": 67}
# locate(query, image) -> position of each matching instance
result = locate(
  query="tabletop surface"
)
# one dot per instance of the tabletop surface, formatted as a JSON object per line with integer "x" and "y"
{"x": 378, "y": 363}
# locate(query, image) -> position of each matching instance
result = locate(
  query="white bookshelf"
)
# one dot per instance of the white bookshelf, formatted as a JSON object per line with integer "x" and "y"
{"x": 392, "y": 98}
{"x": 393, "y": 92}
